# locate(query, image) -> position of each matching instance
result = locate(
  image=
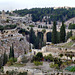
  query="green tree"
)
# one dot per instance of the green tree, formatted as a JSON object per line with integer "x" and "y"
{"x": 54, "y": 33}
{"x": 23, "y": 32}
{"x": 69, "y": 34}
{"x": 61, "y": 55}
{"x": 62, "y": 33}
{"x": 43, "y": 31}
{"x": 37, "y": 57}
{"x": 39, "y": 54}
{"x": 5, "y": 58}
{"x": 40, "y": 35}
{"x": 32, "y": 36}
{"x": 49, "y": 57}
{"x": 7, "y": 20}
{"x": 40, "y": 39}
{"x": 12, "y": 50}
{"x": 1, "y": 61}
{"x": 58, "y": 37}
{"x": 10, "y": 54}
{"x": 36, "y": 42}
{"x": 59, "y": 14}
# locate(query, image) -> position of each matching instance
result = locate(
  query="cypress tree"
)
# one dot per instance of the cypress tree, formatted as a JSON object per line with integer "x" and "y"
{"x": 1, "y": 61}
{"x": 10, "y": 54}
{"x": 12, "y": 51}
{"x": 5, "y": 58}
{"x": 32, "y": 36}
{"x": 54, "y": 33}
{"x": 62, "y": 33}
{"x": 36, "y": 42}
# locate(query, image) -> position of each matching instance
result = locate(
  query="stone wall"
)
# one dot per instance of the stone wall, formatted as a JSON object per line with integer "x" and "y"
{"x": 17, "y": 69}
{"x": 23, "y": 69}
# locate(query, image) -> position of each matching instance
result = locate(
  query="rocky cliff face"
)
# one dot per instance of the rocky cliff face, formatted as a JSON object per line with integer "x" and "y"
{"x": 21, "y": 45}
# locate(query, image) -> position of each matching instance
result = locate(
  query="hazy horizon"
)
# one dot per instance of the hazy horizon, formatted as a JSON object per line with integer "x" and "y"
{"x": 22, "y": 4}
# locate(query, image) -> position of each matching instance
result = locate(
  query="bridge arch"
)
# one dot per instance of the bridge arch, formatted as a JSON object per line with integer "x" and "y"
{"x": 49, "y": 35}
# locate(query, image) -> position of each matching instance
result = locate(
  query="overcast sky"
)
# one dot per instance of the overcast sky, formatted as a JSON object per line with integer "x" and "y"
{"x": 21, "y": 4}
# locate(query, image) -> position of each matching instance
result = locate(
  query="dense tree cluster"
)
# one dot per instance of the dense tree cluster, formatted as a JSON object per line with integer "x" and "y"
{"x": 49, "y": 58}
{"x": 7, "y": 27}
{"x": 10, "y": 26}
{"x": 58, "y": 37}
{"x": 37, "y": 41}
{"x": 59, "y": 14}
{"x": 54, "y": 36}
{"x": 23, "y": 32}
{"x": 37, "y": 57}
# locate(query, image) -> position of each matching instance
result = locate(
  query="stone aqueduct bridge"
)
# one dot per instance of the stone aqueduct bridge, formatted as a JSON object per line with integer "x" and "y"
{"x": 36, "y": 30}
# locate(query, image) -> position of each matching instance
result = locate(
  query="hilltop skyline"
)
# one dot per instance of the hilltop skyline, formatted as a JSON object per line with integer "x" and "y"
{"x": 21, "y": 4}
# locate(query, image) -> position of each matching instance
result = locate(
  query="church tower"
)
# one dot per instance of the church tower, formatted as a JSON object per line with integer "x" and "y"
{"x": 3, "y": 15}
